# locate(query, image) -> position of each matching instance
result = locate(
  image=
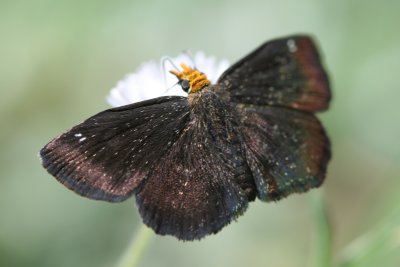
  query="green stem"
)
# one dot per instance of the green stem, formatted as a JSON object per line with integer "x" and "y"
{"x": 374, "y": 246}
{"x": 322, "y": 233}
{"x": 136, "y": 249}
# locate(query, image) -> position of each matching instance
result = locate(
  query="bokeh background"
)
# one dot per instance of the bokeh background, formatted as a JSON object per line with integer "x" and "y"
{"x": 58, "y": 60}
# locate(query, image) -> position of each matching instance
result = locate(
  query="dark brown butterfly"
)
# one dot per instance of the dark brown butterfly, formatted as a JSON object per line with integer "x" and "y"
{"x": 193, "y": 163}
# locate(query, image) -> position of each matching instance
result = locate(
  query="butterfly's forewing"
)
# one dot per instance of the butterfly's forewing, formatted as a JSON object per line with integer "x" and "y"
{"x": 202, "y": 182}
{"x": 287, "y": 150}
{"x": 109, "y": 154}
{"x": 285, "y": 72}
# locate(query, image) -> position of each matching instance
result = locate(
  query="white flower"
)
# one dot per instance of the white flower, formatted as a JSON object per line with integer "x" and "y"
{"x": 149, "y": 81}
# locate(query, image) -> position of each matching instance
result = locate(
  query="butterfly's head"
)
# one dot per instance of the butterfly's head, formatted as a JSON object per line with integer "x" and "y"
{"x": 191, "y": 80}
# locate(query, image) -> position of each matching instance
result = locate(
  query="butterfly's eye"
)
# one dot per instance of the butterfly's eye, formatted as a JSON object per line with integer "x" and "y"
{"x": 185, "y": 85}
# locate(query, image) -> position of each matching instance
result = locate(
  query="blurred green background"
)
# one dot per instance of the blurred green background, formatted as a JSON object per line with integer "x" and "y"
{"x": 58, "y": 60}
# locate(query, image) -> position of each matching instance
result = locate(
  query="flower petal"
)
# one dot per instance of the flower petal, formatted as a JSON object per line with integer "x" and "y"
{"x": 148, "y": 81}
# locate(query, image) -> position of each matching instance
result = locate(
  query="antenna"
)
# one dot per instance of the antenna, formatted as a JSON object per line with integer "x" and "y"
{"x": 171, "y": 87}
{"x": 164, "y": 60}
{"x": 189, "y": 54}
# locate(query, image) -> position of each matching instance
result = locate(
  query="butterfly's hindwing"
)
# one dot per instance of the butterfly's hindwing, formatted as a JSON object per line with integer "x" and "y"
{"x": 202, "y": 182}
{"x": 109, "y": 154}
{"x": 287, "y": 151}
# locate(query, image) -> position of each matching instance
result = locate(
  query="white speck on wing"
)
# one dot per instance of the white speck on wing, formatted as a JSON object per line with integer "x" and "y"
{"x": 292, "y": 45}
{"x": 78, "y": 135}
{"x": 82, "y": 139}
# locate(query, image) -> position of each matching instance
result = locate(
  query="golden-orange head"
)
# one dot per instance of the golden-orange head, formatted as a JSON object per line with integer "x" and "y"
{"x": 191, "y": 80}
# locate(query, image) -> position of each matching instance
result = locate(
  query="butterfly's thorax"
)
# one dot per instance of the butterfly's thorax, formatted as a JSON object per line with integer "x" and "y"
{"x": 216, "y": 118}
{"x": 212, "y": 91}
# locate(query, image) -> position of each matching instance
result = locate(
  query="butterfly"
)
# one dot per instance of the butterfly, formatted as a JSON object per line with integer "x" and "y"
{"x": 194, "y": 163}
